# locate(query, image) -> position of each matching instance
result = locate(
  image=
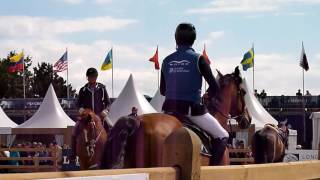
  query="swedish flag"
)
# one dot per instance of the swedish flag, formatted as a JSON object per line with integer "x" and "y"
{"x": 248, "y": 58}
{"x": 107, "y": 64}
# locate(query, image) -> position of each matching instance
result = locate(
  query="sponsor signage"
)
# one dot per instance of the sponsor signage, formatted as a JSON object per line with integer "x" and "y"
{"x": 300, "y": 155}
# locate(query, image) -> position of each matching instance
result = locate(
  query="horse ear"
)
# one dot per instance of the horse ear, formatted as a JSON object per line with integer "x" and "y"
{"x": 219, "y": 73}
{"x": 237, "y": 71}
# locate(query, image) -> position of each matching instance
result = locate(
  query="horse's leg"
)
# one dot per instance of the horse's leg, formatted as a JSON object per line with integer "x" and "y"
{"x": 225, "y": 159}
{"x": 140, "y": 148}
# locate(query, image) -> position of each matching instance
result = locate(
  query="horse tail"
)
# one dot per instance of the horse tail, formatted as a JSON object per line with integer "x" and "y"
{"x": 260, "y": 141}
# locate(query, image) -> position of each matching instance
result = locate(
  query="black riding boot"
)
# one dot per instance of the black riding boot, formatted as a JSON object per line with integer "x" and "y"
{"x": 219, "y": 147}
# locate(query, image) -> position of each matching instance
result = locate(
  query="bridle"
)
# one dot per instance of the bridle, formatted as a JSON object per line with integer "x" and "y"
{"x": 91, "y": 143}
{"x": 240, "y": 96}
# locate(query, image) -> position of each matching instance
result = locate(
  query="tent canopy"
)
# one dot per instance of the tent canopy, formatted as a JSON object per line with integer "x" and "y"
{"x": 128, "y": 98}
{"x": 5, "y": 121}
{"x": 49, "y": 115}
{"x": 259, "y": 115}
{"x": 157, "y": 101}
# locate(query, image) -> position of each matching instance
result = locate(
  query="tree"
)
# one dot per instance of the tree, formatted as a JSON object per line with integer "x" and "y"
{"x": 43, "y": 76}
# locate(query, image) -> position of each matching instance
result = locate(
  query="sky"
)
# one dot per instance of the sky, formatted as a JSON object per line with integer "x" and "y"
{"x": 134, "y": 28}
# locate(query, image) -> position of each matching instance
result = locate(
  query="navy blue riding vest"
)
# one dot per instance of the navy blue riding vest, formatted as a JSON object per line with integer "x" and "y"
{"x": 182, "y": 75}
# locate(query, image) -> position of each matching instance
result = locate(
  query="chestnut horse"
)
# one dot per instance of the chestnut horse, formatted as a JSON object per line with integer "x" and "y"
{"x": 269, "y": 144}
{"x": 90, "y": 140}
{"x": 144, "y": 147}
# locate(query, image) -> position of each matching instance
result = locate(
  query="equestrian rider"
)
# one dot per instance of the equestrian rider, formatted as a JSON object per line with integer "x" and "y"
{"x": 181, "y": 81}
{"x": 94, "y": 96}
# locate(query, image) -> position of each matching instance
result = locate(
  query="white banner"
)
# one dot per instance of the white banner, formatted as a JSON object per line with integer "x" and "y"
{"x": 140, "y": 176}
{"x": 300, "y": 155}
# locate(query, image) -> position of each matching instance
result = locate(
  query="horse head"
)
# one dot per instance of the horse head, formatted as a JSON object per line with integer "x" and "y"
{"x": 230, "y": 89}
{"x": 91, "y": 124}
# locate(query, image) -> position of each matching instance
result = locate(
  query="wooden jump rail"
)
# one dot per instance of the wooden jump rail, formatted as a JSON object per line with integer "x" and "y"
{"x": 181, "y": 161}
{"x": 36, "y": 166}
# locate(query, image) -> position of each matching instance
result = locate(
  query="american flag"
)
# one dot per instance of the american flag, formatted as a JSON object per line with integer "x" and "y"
{"x": 62, "y": 63}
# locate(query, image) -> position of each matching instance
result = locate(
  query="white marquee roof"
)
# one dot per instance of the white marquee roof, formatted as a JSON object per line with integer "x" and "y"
{"x": 128, "y": 98}
{"x": 259, "y": 115}
{"x": 157, "y": 101}
{"x": 49, "y": 115}
{"x": 5, "y": 121}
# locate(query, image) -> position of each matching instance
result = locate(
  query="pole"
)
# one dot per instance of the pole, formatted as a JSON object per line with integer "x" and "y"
{"x": 68, "y": 95}
{"x": 303, "y": 109}
{"x": 253, "y": 68}
{"x": 24, "y": 88}
{"x": 112, "y": 71}
{"x": 158, "y": 78}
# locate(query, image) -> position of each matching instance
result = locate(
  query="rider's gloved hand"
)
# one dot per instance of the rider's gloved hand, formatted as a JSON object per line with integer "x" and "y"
{"x": 104, "y": 113}
{"x": 81, "y": 111}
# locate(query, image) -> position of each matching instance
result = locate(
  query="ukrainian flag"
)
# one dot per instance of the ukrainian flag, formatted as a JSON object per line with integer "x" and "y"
{"x": 16, "y": 58}
{"x": 248, "y": 59}
{"x": 107, "y": 64}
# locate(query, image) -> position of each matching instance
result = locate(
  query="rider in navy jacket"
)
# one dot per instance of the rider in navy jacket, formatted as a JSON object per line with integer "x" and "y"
{"x": 181, "y": 82}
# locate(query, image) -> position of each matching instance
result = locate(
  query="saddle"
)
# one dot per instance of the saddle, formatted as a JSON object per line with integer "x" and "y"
{"x": 206, "y": 139}
{"x": 280, "y": 132}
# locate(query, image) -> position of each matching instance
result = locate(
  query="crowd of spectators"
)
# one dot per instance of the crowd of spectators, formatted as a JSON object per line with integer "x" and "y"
{"x": 41, "y": 151}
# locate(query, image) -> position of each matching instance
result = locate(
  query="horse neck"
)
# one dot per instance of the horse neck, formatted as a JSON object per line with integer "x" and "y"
{"x": 225, "y": 107}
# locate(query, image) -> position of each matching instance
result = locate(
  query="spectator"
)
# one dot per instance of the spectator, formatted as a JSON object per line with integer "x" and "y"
{"x": 308, "y": 93}
{"x": 263, "y": 94}
{"x": 14, "y": 154}
{"x": 256, "y": 93}
{"x": 299, "y": 93}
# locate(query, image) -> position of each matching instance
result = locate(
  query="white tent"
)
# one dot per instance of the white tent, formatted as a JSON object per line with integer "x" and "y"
{"x": 5, "y": 123}
{"x": 315, "y": 116}
{"x": 157, "y": 101}
{"x": 49, "y": 115}
{"x": 128, "y": 98}
{"x": 259, "y": 115}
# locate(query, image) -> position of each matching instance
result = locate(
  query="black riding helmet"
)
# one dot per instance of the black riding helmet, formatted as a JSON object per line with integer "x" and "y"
{"x": 92, "y": 72}
{"x": 185, "y": 34}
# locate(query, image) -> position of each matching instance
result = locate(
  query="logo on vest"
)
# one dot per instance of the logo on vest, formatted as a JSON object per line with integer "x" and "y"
{"x": 178, "y": 66}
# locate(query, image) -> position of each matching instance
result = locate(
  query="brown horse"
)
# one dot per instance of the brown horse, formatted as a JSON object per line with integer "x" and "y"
{"x": 269, "y": 144}
{"x": 144, "y": 147}
{"x": 90, "y": 140}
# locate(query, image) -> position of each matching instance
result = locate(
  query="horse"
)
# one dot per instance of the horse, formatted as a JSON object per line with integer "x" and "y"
{"x": 91, "y": 140}
{"x": 269, "y": 144}
{"x": 144, "y": 146}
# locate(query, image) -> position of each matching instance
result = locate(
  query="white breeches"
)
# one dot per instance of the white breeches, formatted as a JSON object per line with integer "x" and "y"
{"x": 210, "y": 124}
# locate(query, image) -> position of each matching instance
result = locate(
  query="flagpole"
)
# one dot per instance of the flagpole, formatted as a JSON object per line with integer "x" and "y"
{"x": 68, "y": 95}
{"x": 24, "y": 87}
{"x": 303, "y": 102}
{"x": 158, "y": 78}
{"x": 253, "y": 69}
{"x": 112, "y": 70}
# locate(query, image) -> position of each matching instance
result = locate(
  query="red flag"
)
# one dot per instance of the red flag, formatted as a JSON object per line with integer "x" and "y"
{"x": 205, "y": 56}
{"x": 154, "y": 59}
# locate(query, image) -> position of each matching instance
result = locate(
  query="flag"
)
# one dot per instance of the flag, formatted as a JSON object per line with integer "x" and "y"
{"x": 107, "y": 64}
{"x": 16, "y": 63}
{"x": 16, "y": 58}
{"x": 303, "y": 59}
{"x": 62, "y": 63}
{"x": 205, "y": 56}
{"x": 248, "y": 59}
{"x": 154, "y": 59}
